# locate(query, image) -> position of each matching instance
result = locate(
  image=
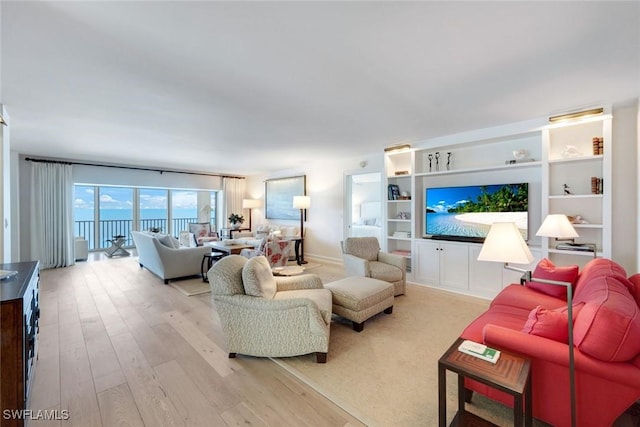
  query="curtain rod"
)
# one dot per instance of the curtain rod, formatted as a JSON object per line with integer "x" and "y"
{"x": 161, "y": 171}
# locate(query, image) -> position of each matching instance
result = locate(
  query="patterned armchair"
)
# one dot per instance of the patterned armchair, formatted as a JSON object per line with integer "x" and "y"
{"x": 276, "y": 250}
{"x": 266, "y": 316}
{"x": 202, "y": 232}
{"x": 362, "y": 257}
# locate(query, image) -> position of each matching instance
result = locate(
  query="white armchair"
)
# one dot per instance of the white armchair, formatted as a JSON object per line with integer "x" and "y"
{"x": 266, "y": 316}
{"x": 362, "y": 257}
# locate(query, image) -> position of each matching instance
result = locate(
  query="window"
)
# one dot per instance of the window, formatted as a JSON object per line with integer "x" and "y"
{"x": 184, "y": 209}
{"x": 154, "y": 212}
{"x": 119, "y": 210}
{"x": 116, "y": 214}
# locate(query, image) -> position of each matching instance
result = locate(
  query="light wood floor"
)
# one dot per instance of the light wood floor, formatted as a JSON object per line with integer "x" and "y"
{"x": 118, "y": 347}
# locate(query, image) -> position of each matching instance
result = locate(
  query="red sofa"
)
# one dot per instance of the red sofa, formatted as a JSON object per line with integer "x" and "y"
{"x": 531, "y": 320}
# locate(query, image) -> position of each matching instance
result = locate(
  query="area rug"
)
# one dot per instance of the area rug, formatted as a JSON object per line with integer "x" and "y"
{"x": 191, "y": 287}
{"x": 387, "y": 374}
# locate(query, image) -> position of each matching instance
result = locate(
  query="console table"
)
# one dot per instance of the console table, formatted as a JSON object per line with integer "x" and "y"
{"x": 20, "y": 311}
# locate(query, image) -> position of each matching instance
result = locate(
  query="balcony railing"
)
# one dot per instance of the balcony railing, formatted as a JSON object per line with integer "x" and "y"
{"x": 122, "y": 227}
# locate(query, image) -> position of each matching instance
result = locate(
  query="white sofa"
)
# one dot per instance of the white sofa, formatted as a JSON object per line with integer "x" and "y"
{"x": 162, "y": 255}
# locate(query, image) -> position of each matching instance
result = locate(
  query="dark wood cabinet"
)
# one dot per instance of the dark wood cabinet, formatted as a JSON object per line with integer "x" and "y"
{"x": 19, "y": 312}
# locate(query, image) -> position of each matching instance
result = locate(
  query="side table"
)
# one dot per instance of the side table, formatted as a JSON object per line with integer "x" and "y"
{"x": 510, "y": 374}
{"x": 209, "y": 258}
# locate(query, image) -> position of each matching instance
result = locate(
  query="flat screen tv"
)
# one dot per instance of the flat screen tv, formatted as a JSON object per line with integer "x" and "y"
{"x": 466, "y": 213}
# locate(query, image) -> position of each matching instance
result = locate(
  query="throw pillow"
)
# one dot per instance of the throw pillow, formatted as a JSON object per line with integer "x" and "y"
{"x": 258, "y": 279}
{"x": 550, "y": 324}
{"x": 166, "y": 240}
{"x": 547, "y": 270}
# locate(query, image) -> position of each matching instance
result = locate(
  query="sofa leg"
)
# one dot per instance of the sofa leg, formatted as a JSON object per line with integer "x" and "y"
{"x": 166, "y": 281}
{"x": 321, "y": 357}
{"x": 388, "y": 310}
{"x": 141, "y": 266}
{"x": 232, "y": 355}
{"x": 468, "y": 394}
{"x": 358, "y": 327}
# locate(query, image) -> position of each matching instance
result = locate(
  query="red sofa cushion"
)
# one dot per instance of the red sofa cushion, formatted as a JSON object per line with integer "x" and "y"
{"x": 548, "y": 271}
{"x": 526, "y": 298}
{"x": 608, "y": 326}
{"x": 599, "y": 267}
{"x": 550, "y": 324}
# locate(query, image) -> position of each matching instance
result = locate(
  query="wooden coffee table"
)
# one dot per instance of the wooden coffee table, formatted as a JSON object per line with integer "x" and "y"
{"x": 510, "y": 374}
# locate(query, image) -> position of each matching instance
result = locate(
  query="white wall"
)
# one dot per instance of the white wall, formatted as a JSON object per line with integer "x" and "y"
{"x": 5, "y": 190}
{"x": 325, "y": 187}
{"x": 625, "y": 188}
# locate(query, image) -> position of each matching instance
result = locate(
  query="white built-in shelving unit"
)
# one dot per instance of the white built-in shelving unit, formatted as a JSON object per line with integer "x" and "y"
{"x": 483, "y": 158}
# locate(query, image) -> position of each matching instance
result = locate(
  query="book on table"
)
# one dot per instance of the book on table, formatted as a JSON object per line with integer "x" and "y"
{"x": 480, "y": 351}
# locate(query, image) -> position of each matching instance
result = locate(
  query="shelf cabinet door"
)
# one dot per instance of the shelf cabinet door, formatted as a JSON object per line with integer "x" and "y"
{"x": 454, "y": 266}
{"x": 427, "y": 255}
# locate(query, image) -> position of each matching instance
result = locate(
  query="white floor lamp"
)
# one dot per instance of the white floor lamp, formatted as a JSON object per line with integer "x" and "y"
{"x": 302, "y": 203}
{"x": 504, "y": 243}
{"x": 250, "y": 204}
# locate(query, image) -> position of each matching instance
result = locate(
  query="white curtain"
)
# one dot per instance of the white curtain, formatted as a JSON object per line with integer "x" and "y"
{"x": 52, "y": 214}
{"x": 233, "y": 194}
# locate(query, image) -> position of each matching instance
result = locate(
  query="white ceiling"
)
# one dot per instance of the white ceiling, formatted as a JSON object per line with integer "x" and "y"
{"x": 246, "y": 87}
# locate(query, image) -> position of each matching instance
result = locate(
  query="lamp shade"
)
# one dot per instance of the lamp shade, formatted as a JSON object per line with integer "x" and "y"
{"x": 558, "y": 226}
{"x": 301, "y": 202}
{"x": 504, "y": 243}
{"x": 250, "y": 203}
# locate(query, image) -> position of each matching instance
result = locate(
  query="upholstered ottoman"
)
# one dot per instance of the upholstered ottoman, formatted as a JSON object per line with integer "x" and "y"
{"x": 359, "y": 298}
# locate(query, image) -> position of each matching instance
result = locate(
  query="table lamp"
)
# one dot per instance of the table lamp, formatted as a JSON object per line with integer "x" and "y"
{"x": 559, "y": 227}
{"x": 250, "y": 204}
{"x": 504, "y": 243}
{"x": 302, "y": 203}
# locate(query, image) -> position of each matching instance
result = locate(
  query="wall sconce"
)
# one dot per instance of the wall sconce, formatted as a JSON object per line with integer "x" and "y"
{"x": 397, "y": 148}
{"x": 576, "y": 115}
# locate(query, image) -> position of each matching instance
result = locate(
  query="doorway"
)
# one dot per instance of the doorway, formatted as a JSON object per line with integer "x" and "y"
{"x": 363, "y": 205}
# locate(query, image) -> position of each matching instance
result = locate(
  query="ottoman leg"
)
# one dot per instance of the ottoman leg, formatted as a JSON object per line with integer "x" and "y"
{"x": 388, "y": 310}
{"x": 358, "y": 327}
{"x": 321, "y": 357}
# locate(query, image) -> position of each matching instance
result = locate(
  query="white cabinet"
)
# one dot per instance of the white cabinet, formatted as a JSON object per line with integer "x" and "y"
{"x": 443, "y": 264}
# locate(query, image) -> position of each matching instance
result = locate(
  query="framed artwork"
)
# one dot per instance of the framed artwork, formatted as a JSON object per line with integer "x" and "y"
{"x": 279, "y": 197}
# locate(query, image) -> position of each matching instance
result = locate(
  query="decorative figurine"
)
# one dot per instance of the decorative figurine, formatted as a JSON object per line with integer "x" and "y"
{"x": 448, "y": 160}
{"x": 565, "y": 187}
{"x": 437, "y": 161}
{"x": 430, "y": 157}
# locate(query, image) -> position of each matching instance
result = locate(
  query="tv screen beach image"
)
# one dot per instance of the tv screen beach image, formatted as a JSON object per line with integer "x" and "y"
{"x": 469, "y": 211}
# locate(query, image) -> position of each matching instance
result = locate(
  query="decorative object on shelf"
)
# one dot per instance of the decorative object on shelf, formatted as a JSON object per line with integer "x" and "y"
{"x": 404, "y": 172}
{"x": 403, "y": 215}
{"x": 598, "y": 145}
{"x": 519, "y": 154}
{"x": 577, "y": 219}
{"x": 437, "y": 156}
{"x": 303, "y": 203}
{"x": 448, "y": 160}
{"x": 505, "y": 244}
{"x": 404, "y": 195}
{"x": 402, "y": 234}
{"x": 596, "y": 185}
{"x": 393, "y": 192}
{"x": 236, "y": 220}
{"x": 430, "y": 157}
{"x": 571, "y": 152}
{"x": 250, "y": 204}
{"x": 566, "y": 189}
